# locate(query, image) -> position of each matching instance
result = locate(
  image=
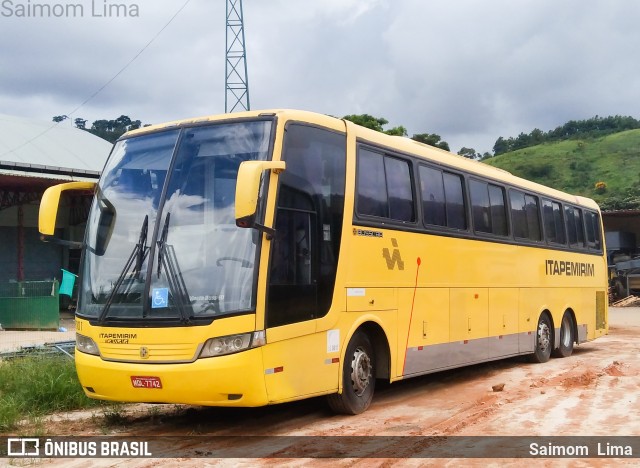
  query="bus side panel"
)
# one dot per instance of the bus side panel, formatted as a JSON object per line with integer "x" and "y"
{"x": 531, "y": 304}
{"x": 504, "y": 306}
{"x": 423, "y": 345}
{"x": 469, "y": 325}
{"x": 297, "y": 367}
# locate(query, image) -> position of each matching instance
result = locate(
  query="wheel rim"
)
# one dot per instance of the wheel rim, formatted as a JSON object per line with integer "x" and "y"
{"x": 544, "y": 337}
{"x": 566, "y": 332}
{"x": 360, "y": 371}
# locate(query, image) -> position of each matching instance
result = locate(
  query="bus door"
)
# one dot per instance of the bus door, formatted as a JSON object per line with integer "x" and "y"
{"x": 303, "y": 262}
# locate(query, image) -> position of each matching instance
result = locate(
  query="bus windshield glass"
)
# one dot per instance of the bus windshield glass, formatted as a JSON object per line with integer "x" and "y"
{"x": 161, "y": 241}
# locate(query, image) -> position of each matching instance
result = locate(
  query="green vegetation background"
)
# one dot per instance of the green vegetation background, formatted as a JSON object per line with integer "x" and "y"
{"x": 577, "y": 165}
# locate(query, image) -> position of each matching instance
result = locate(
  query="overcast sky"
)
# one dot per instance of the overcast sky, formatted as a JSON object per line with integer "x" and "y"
{"x": 468, "y": 70}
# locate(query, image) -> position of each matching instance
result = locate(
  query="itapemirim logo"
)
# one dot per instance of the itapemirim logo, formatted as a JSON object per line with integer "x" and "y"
{"x": 82, "y": 9}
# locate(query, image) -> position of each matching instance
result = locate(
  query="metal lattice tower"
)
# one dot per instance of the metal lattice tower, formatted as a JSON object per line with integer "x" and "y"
{"x": 236, "y": 79}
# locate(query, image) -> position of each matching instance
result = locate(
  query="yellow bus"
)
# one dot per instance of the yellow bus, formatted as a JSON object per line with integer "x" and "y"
{"x": 263, "y": 257}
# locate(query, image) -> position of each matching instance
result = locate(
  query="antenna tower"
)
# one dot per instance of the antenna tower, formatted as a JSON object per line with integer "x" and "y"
{"x": 236, "y": 79}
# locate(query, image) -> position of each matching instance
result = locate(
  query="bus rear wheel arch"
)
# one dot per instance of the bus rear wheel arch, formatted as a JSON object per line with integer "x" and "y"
{"x": 567, "y": 336}
{"x": 543, "y": 344}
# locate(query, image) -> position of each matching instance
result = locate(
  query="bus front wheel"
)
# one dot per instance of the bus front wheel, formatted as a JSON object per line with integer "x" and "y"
{"x": 566, "y": 337}
{"x": 544, "y": 340}
{"x": 358, "y": 377}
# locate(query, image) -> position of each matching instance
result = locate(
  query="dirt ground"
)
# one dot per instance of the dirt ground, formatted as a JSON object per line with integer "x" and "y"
{"x": 594, "y": 392}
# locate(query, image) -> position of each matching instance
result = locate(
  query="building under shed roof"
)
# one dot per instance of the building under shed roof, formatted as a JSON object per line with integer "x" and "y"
{"x": 35, "y": 155}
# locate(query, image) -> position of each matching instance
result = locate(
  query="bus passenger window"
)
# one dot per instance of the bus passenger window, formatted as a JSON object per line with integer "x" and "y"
{"x": 442, "y": 198}
{"x": 480, "y": 205}
{"x": 432, "y": 189}
{"x": 592, "y": 224}
{"x": 384, "y": 187}
{"x": 524, "y": 215}
{"x": 533, "y": 217}
{"x": 553, "y": 222}
{"x": 498, "y": 213}
{"x": 575, "y": 230}
{"x": 454, "y": 195}
{"x": 399, "y": 190}
{"x": 518, "y": 215}
{"x": 372, "y": 187}
{"x": 488, "y": 204}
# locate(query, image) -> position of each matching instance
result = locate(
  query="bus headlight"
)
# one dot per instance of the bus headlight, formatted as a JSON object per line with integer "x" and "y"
{"x": 232, "y": 344}
{"x": 86, "y": 345}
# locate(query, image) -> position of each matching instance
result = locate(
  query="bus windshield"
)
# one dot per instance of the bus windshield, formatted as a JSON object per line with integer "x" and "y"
{"x": 161, "y": 242}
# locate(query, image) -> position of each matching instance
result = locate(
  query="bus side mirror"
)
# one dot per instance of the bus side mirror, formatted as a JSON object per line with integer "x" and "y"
{"x": 49, "y": 207}
{"x": 248, "y": 188}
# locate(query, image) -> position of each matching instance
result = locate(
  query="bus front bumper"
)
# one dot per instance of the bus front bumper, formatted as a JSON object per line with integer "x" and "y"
{"x": 233, "y": 380}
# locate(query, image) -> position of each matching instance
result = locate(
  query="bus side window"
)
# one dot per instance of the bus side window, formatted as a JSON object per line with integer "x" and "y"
{"x": 524, "y": 216}
{"x": 384, "y": 186}
{"x": 455, "y": 203}
{"x": 372, "y": 186}
{"x": 575, "y": 230}
{"x": 553, "y": 222}
{"x": 442, "y": 198}
{"x": 592, "y": 225}
{"x": 489, "y": 210}
{"x": 399, "y": 188}
{"x": 432, "y": 190}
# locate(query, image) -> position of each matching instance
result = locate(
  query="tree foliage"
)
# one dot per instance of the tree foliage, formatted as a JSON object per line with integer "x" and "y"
{"x": 469, "y": 153}
{"x": 590, "y": 128}
{"x": 378, "y": 123}
{"x": 431, "y": 139}
{"x": 109, "y": 130}
{"x": 368, "y": 121}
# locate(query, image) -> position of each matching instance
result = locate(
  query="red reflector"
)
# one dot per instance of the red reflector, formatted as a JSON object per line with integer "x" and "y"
{"x": 278, "y": 369}
{"x": 420, "y": 348}
{"x": 466, "y": 341}
{"x": 335, "y": 359}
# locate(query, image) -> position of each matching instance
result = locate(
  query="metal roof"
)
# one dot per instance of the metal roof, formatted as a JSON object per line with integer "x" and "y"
{"x": 46, "y": 149}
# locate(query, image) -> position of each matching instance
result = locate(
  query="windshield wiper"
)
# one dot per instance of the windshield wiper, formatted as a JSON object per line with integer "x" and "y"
{"x": 138, "y": 254}
{"x": 167, "y": 259}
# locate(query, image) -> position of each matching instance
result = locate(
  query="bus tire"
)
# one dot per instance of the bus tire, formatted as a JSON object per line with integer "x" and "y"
{"x": 358, "y": 377}
{"x": 566, "y": 337}
{"x": 543, "y": 340}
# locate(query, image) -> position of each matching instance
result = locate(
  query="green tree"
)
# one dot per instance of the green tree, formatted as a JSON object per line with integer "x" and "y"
{"x": 431, "y": 139}
{"x": 469, "y": 153}
{"x": 368, "y": 121}
{"x": 397, "y": 131}
{"x": 111, "y": 130}
{"x": 500, "y": 146}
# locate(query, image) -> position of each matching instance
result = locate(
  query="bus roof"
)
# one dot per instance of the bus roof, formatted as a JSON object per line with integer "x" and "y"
{"x": 396, "y": 143}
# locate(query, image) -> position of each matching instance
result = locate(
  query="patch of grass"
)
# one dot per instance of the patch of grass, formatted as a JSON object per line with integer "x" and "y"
{"x": 31, "y": 387}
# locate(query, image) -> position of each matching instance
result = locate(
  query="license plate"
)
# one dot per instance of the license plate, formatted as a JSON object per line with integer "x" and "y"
{"x": 146, "y": 382}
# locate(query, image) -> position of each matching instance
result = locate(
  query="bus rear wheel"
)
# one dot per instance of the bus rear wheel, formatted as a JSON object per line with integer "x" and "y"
{"x": 358, "y": 377}
{"x": 544, "y": 340}
{"x": 566, "y": 337}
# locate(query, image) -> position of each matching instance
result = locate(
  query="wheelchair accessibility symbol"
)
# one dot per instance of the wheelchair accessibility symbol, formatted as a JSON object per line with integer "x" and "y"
{"x": 159, "y": 298}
